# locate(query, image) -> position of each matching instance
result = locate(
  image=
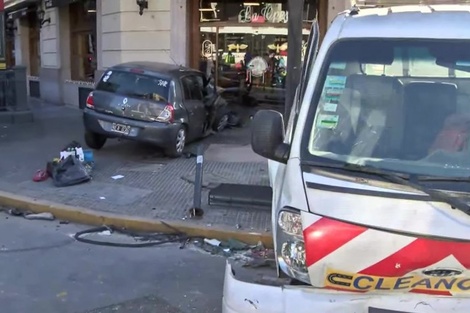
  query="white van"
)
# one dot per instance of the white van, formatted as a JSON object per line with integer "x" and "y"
{"x": 371, "y": 177}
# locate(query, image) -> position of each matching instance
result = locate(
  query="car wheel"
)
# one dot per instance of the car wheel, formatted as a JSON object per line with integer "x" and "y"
{"x": 221, "y": 122}
{"x": 176, "y": 148}
{"x": 94, "y": 141}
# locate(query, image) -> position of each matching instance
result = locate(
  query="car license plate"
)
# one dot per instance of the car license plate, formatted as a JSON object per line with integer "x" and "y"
{"x": 375, "y": 310}
{"x": 122, "y": 129}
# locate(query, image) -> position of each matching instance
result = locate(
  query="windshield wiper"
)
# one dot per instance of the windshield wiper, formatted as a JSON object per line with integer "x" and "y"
{"x": 400, "y": 179}
{"x": 443, "y": 179}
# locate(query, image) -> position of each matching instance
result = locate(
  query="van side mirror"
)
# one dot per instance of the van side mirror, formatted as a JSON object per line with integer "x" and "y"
{"x": 267, "y": 136}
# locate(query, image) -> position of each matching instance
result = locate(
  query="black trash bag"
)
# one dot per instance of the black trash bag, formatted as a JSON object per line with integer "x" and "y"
{"x": 69, "y": 172}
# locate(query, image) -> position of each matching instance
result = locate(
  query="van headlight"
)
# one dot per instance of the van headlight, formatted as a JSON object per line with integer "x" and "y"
{"x": 291, "y": 246}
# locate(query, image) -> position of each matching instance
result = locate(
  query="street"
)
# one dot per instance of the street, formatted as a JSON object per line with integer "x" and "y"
{"x": 45, "y": 270}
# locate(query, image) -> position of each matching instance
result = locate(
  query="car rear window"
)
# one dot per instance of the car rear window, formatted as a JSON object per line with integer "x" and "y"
{"x": 135, "y": 85}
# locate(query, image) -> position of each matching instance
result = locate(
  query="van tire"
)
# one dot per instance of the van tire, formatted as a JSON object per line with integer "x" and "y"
{"x": 94, "y": 141}
{"x": 174, "y": 149}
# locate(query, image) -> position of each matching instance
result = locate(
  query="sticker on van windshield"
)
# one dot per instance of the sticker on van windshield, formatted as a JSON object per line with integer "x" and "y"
{"x": 333, "y": 81}
{"x": 330, "y": 107}
{"x": 338, "y": 65}
{"x": 327, "y": 121}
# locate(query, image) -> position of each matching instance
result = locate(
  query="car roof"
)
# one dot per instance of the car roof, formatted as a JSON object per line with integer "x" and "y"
{"x": 410, "y": 21}
{"x": 158, "y": 68}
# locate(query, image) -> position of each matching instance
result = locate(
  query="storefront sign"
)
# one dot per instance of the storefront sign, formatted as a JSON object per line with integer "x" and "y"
{"x": 258, "y": 66}
{"x": 267, "y": 14}
{"x": 207, "y": 48}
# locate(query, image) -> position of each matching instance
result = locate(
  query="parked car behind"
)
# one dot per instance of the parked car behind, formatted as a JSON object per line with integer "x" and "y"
{"x": 150, "y": 102}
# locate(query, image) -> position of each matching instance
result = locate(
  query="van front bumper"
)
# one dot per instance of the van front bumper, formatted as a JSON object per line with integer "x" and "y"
{"x": 245, "y": 297}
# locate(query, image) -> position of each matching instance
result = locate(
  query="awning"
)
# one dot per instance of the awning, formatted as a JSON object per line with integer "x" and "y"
{"x": 21, "y": 12}
{"x": 15, "y": 5}
{"x": 58, "y": 3}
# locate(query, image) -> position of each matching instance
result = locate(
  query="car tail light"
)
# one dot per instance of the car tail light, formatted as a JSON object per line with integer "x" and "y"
{"x": 167, "y": 115}
{"x": 90, "y": 102}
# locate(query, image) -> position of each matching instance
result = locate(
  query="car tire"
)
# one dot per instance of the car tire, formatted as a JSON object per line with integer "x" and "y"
{"x": 176, "y": 147}
{"x": 94, "y": 141}
{"x": 221, "y": 121}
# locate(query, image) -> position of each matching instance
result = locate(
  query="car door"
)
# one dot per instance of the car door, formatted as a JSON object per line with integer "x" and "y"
{"x": 194, "y": 105}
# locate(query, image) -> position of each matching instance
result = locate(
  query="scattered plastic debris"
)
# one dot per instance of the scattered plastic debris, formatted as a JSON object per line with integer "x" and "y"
{"x": 105, "y": 233}
{"x": 212, "y": 242}
{"x": 116, "y": 177}
{"x": 253, "y": 256}
{"x": 102, "y": 198}
{"x": 45, "y": 216}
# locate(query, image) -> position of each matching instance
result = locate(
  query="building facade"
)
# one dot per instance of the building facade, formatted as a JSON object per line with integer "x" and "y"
{"x": 67, "y": 44}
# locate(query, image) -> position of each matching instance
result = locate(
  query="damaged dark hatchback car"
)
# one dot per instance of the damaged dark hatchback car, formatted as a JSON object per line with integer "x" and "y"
{"x": 155, "y": 103}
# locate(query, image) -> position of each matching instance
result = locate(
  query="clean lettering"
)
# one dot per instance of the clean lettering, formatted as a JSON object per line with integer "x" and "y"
{"x": 403, "y": 281}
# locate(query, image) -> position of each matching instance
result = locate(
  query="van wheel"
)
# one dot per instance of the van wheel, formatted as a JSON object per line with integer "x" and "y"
{"x": 176, "y": 148}
{"x": 94, "y": 141}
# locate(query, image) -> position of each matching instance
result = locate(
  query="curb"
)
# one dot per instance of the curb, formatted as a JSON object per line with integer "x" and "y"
{"x": 90, "y": 217}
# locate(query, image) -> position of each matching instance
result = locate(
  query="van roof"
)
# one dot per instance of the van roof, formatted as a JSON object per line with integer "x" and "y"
{"x": 410, "y": 21}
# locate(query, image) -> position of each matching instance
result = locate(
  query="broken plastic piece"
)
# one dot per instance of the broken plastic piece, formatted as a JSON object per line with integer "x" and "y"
{"x": 46, "y": 216}
{"x": 212, "y": 242}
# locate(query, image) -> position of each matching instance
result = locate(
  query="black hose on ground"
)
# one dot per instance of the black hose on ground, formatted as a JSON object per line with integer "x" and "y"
{"x": 152, "y": 239}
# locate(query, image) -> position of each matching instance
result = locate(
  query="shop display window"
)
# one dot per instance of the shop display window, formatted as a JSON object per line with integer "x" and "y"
{"x": 248, "y": 41}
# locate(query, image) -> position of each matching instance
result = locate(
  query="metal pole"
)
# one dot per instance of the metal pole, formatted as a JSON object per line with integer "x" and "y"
{"x": 198, "y": 179}
{"x": 294, "y": 62}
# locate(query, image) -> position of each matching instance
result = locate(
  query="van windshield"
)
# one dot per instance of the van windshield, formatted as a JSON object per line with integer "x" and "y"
{"x": 400, "y": 105}
{"x": 135, "y": 85}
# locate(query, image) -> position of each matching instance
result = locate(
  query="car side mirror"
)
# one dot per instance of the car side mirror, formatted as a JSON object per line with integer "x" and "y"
{"x": 267, "y": 136}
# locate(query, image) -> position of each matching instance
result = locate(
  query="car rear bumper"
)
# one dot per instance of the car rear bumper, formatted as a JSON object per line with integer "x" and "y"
{"x": 156, "y": 133}
{"x": 243, "y": 297}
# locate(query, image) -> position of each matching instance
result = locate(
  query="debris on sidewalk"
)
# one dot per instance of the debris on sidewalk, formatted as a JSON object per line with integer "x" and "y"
{"x": 45, "y": 216}
{"x": 41, "y": 175}
{"x": 212, "y": 242}
{"x": 116, "y": 177}
{"x": 250, "y": 255}
{"x": 72, "y": 168}
{"x": 193, "y": 213}
{"x": 15, "y": 212}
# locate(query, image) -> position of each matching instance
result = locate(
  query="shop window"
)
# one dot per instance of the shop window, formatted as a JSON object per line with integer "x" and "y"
{"x": 246, "y": 42}
{"x": 34, "y": 42}
{"x": 83, "y": 40}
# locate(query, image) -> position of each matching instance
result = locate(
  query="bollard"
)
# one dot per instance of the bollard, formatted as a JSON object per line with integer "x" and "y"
{"x": 198, "y": 178}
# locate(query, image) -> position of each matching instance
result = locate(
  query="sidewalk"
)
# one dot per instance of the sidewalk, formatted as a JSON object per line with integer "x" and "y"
{"x": 153, "y": 187}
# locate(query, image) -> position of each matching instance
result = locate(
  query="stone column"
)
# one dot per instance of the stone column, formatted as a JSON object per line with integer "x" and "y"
{"x": 127, "y": 36}
{"x": 50, "y": 76}
{"x": 179, "y": 32}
